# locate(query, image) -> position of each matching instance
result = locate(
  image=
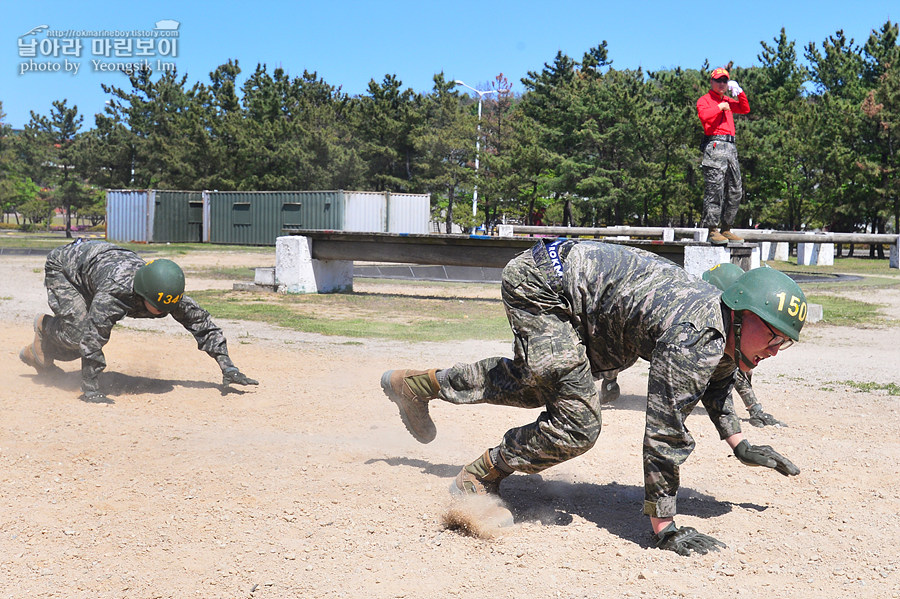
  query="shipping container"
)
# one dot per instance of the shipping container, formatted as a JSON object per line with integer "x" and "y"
{"x": 178, "y": 217}
{"x": 258, "y": 217}
{"x": 129, "y": 215}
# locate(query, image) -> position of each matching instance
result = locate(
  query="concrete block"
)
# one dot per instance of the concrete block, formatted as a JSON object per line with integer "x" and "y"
{"x": 825, "y": 255}
{"x": 505, "y": 230}
{"x": 807, "y": 253}
{"x": 701, "y": 234}
{"x": 297, "y": 272}
{"x": 782, "y": 251}
{"x": 264, "y": 276}
{"x": 814, "y": 312}
{"x": 766, "y": 248}
{"x": 668, "y": 234}
{"x": 755, "y": 260}
{"x": 895, "y": 254}
{"x": 700, "y": 258}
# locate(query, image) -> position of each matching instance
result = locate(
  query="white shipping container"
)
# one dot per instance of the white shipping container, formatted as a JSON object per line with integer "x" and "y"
{"x": 129, "y": 215}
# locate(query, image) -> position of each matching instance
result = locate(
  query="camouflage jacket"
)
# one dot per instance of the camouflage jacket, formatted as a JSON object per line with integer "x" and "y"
{"x": 103, "y": 274}
{"x": 627, "y": 303}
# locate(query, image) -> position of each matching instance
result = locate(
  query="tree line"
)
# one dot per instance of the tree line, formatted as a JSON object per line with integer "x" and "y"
{"x": 585, "y": 144}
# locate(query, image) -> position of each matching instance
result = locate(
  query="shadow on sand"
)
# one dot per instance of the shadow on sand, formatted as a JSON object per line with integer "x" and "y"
{"x": 116, "y": 383}
{"x": 612, "y": 506}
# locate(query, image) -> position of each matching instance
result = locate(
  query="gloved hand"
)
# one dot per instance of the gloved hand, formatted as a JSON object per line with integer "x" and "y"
{"x": 609, "y": 391}
{"x": 763, "y": 455}
{"x": 95, "y": 397}
{"x": 233, "y": 375}
{"x": 759, "y": 419}
{"x": 734, "y": 88}
{"x": 686, "y": 539}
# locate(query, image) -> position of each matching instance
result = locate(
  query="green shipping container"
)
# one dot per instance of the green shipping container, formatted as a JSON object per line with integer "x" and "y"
{"x": 260, "y": 217}
{"x": 178, "y": 217}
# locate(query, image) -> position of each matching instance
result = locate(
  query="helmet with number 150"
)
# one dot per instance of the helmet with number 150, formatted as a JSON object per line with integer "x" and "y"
{"x": 771, "y": 295}
{"x": 161, "y": 283}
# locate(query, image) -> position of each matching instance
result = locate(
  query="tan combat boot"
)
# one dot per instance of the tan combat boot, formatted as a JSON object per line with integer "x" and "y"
{"x": 481, "y": 477}
{"x": 33, "y": 353}
{"x": 716, "y": 238}
{"x": 411, "y": 390}
{"x": 731, "y": 237}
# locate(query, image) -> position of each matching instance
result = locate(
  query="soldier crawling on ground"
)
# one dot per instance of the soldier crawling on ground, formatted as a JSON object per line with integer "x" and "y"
{"x": 722, "y": 276}
{"x": 91, "y": 285}
{"x": 596, "y": 307}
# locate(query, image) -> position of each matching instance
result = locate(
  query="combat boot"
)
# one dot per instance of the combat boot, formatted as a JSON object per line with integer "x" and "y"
{"x": 609, "y": 391}
{"x": 481, "y": 477}
{"x": 716, "y": 238}
{"x": 33, "y": 353}
{"x": 731, "y": 237}
{"x": 411, "y": 390}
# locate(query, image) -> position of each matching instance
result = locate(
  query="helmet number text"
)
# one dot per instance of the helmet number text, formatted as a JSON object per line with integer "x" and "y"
{"x": 168, "y": 299}
{"x": 795, "y": 308}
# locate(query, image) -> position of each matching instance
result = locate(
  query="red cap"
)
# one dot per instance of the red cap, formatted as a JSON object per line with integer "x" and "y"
{"x": 720, "y": 72}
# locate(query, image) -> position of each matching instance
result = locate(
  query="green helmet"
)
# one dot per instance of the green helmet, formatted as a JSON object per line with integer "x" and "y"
{"x": 161, "y": 283}
{"x": 723, "y": 275}
{"x": 771, "y": 295}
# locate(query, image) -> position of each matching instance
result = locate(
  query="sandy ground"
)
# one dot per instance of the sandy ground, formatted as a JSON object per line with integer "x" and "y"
{"x": 309, "y": 486}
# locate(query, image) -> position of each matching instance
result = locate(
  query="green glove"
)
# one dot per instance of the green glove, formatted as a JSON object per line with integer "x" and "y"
{"x": 759, "y": 419}
{"x": 233, "y": 375}
{"x": 686, "y": 539}
{"x": 763, "y": 455}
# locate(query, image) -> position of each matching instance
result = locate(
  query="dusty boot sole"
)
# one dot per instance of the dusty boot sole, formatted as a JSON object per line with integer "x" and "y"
{"x": 27, "y": 356}
{"x": 426, "y": 436}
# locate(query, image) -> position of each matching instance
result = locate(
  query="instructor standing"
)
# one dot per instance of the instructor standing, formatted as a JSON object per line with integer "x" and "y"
{"x": 720, "y": 160}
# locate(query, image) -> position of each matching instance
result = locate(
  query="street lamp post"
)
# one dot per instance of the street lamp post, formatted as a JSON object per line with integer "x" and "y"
{"x": 481, "y": 95}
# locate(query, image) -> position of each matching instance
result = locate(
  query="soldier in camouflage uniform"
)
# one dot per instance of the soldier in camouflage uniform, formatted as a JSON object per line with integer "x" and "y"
{"x": 581, "y": 308}
{"x": 91, "y": 285}
{"x": 722, "y": 276}
{"x": 721, "y": 169}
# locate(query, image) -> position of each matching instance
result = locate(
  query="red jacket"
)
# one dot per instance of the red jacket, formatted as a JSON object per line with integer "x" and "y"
{"x": 720, "y": 122}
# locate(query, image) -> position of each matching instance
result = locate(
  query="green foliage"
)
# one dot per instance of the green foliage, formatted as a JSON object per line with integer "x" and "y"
{"x": 586, "y": 144}
{"x": 871, "y": 387}
{"x": 36, "y": 210}
{"x": 840, "y": 310}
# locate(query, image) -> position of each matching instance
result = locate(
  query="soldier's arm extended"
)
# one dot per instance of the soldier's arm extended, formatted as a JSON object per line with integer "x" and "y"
{"x": 105, "y": 311}
{"x": 682, "y": 364}
{"x": 717, "y": 399}
{"x": 210, "y": 339}
{"x": 680, "y": 368}
{"x": 758, "y": 416}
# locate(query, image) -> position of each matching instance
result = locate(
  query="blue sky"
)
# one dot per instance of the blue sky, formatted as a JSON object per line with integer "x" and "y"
{"x": 349, "y": 42}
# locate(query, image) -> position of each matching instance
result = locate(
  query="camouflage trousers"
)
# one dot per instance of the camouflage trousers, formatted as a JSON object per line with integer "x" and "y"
{"x": 62, "y": 332}
{"x": 549, "y": 370}
{"x": 723, "y": 184}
